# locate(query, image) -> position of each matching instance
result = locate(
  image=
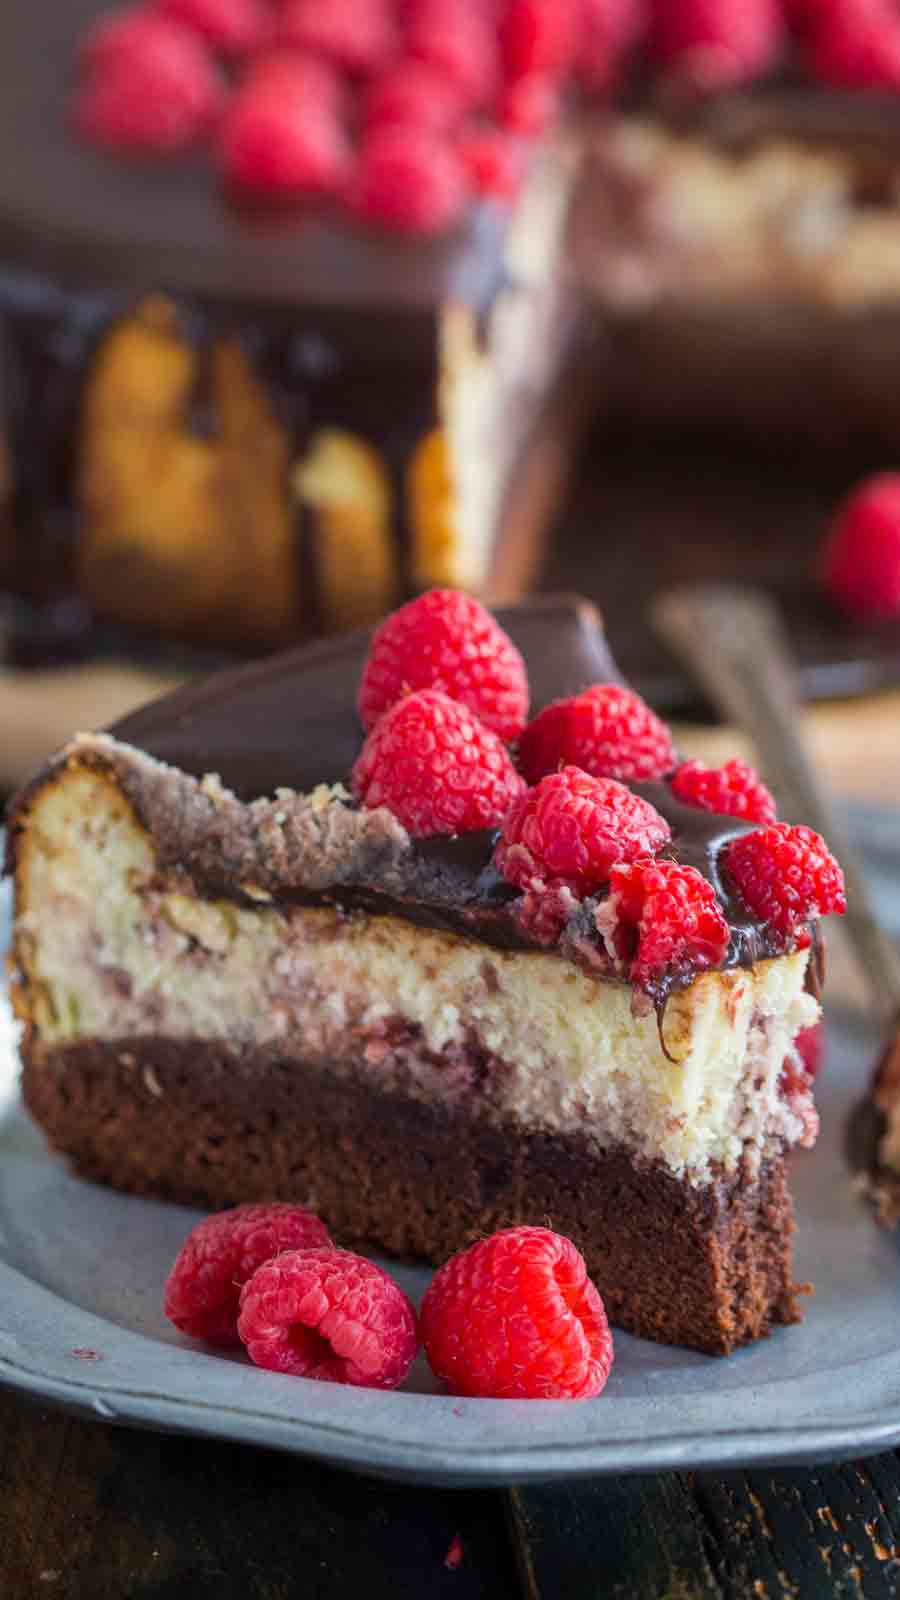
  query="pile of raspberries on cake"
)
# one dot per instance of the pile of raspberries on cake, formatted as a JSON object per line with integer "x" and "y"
{"x": 401, "y": 110}
{"x": 513, "y": 1317}
{"x": 450, "y": 750}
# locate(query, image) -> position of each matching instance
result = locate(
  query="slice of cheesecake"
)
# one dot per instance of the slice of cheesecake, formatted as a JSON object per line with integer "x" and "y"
{"x": 237, "y": 983}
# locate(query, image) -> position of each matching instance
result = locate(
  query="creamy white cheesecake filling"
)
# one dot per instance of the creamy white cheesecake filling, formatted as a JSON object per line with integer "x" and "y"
{"x": 112, "y": 948}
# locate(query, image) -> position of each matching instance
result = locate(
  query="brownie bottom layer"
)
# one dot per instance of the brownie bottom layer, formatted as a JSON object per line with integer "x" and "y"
{"x": 706, "y": 1267}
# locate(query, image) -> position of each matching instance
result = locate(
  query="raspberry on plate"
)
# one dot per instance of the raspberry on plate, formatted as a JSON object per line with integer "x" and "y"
{"x": 446, "y": 640}
{"x": 516, "y": 1317}
{"x": 786, "y": 875}
{"x": 221, "y": 1253}
{"x": 732, "y": 790}
{"x": 539, "y": 36}
{"x": 359, "y": 36}
{"x": 414, "y": 93}
{"x": 328, "y": 1314}
{"x": 528, "y": 106}
{"x": 859, "y": 564}
{"x": 570, "y": 829}
{"x": 494, "y": 161}
{"x": 459, "y": 40}
{"x": 231, "y": 27}
{"x": 716, "y": 42}
{"x": 408, "y": 179}
{"x": 607, "y": 730}
{"x": 609, "y": 31}
{"x": 278, "y": 144}
{"x": 436, "y": 767}
{"x": 855, "y": 44}
{"x": 662, "y": 917}
{"x": 152, "y": 87}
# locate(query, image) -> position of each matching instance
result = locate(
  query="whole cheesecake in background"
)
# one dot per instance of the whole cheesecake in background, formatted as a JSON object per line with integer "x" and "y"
{"x": 240, "y": 427}
{"x": 236, "y": 981}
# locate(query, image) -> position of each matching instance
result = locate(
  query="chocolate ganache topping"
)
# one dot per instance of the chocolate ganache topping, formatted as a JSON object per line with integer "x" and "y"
{"x": 290, "y": 722}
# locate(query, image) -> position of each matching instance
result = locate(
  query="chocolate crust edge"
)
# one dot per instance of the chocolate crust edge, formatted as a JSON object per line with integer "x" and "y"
{"x": 195, "y": 1122}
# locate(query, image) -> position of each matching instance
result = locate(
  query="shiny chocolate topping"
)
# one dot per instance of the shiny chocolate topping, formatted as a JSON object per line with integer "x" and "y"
{"x": 290, "y": 721}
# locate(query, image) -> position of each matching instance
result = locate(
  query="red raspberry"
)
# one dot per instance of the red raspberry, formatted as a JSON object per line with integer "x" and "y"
{"x": 610, "y": 29}
{"x": 413, "y": 92}
{"x": 529, "y": 105}
{"x": 357, "y": 35}
{"x": 221, "y": 1253}
{"x": 153, "y": 88}
{"x": 859, "y": 564}
{"x": 279, "y": 144}
{"x": 607, "y": 730}
{"x": 123, "y": 36}
{"x": 786, "y": 876}
{"x": 855, "y": 44}
{"x": 539, "y": 37}
{"x": 408, "y": 180}
{"x": 733, "y": 790}
{"x": 446, "y": 640}
{"x": 810, "y": 1047}
{"x": 232, "y": 27}
{"x": 713, "y": 43}
{"x": 571, "y": 828}
{"x": 436, "y": 767}
{"x": 296, "y": 76}
{"x": 516, "y": 1317}
{"x": 458, "y": 40}
{"x": 494, "y": 161}
{"x": 328, "y": 1314}
{"x": 667, "y": 919}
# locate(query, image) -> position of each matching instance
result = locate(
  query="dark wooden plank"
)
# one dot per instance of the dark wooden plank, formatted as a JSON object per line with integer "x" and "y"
{"x": 620, "y": 1538}
{"x": 89, "y": 1512}
{"x": 803, "y": 1533}
{"x": 791, "y": 1534}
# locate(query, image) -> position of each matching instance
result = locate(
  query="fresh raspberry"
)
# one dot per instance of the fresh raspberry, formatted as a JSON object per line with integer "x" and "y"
{"x": 408, "y": 180}
{"x": 529, "y": 106}
{"x": 516, "y": 1317}
{"x": 221, "y": 1253}
{"x": 714, "y": 43}
{"x": 359, "y": 36}
{"x": 539, "y": 37}
{"x": 855, "y": 44}
{"x": 152, "y": 86}
{"x": 666, "y": 920}
{"x": 124, "y": 35}
{"x": 607, "y": 730}
{"x": 610, "y": 29}
{"x": 458, "y": 40}
{"x": 571, "y": 828}
{"x": 810, "y": 1047}
{"x": 295, "y": 76}
{"x": 328, "y": 1314}
{"x": 231, "y": 27}
{"x": 414, "y": 93}
{"x": 494, "y": 160}
{"x": 786, "y": 876}
{"x": 859, "y": 564}
{"x": 278, "y": 144}
{"x": 733, "y": 790}
{"x": 446, "y": 640}
{"x": 436, "y": 767}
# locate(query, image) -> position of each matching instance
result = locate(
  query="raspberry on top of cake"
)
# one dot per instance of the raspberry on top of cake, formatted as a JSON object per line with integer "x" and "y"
{"x": 393, "y": 973}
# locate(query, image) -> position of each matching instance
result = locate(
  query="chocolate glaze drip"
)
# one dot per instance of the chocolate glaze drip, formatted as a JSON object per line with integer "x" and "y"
{"x": 290, "y": 722}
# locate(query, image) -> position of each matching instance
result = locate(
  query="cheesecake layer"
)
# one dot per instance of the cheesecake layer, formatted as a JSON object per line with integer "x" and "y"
{"x": 113, "y": 942}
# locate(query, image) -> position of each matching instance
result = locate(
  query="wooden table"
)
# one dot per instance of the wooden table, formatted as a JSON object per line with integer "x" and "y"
{"x": 89, "y": 1512}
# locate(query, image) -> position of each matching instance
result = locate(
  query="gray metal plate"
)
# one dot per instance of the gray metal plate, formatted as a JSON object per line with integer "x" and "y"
{"x": 82, "y": 1270}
